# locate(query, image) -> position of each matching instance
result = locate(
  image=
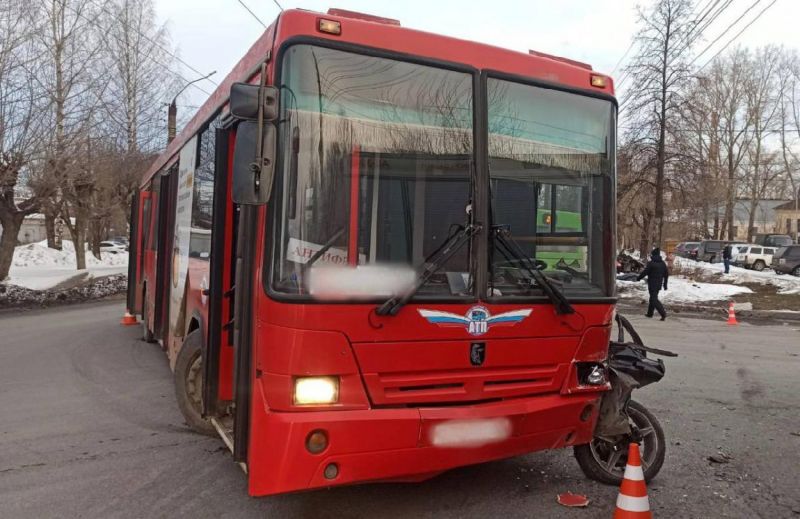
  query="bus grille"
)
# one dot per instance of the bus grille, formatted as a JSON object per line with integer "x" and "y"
{"x": 468, "y": 385}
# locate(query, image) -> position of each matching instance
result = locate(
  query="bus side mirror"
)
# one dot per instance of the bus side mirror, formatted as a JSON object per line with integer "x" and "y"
{"x": 253, "y": 174}
{"x": 244, "y": 102}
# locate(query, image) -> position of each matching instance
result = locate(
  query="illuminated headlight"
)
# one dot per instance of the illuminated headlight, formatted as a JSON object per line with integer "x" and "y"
{"x": 316, "y": 390}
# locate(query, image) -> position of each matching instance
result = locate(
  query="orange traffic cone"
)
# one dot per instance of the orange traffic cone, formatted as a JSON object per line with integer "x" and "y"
{"x": 128, "y": 319}
{"x": 632, "y": 502}
{"x": 731, "y": 315}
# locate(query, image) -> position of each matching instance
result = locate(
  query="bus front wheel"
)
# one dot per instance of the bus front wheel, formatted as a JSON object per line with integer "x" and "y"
{"x": 189, "y": 384}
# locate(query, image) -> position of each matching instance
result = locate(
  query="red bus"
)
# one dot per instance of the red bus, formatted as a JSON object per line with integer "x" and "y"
{"x": 339, "y": 253}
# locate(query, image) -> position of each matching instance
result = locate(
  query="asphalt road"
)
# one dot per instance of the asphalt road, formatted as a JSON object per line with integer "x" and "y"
{"x": 89, "y": 427}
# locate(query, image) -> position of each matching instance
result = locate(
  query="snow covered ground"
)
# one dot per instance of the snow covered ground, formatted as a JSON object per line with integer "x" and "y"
{"x": 785, "y": 284}
{"x": 38, "y": 267}
{"x": 682, "y": 290}
{"x": 699, "y": 282}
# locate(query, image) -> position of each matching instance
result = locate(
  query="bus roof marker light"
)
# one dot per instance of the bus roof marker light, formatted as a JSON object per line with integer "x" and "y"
{"x": 598, "y": 81}
{"x": 329, "y": 26}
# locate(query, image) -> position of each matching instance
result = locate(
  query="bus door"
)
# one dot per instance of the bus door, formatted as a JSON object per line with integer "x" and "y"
{"x": 218, "y": 348}
{"x": 166, "y": 226}
{"x": 139, "y": 246}
{"x": 134, "y": 271}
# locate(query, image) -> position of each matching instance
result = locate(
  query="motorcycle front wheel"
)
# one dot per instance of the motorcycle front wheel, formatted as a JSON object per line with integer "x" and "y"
{"x": 605, "y": 461}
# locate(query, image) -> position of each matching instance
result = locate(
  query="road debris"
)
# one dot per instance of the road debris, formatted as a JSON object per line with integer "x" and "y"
{"x": 720, "y": 457}
{"x": 572, "y": 500}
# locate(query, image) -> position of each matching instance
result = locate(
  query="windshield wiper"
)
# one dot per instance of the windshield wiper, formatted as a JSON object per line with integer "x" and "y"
{"x": 432, "y": 264}
{"x": 327, "y": 245}
{"x": 507, "y": 246}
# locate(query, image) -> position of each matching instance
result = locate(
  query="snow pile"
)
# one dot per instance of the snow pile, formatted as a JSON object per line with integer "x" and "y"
{"x": 681, "y": 290}
{"x": 40, "y": 255}
{"x": 785, "y": 284}
{"x": 17, "y": 296}
{"x": 37, "y": 267}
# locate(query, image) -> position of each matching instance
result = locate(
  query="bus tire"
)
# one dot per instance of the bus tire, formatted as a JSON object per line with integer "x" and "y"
{"x": 189, "y": 384}
{"x": 147, "y": 335}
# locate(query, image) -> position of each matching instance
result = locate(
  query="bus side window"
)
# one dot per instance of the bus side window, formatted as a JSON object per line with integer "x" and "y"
{"x": 203, "y": 196}
{"x": 146, "y": 217}
{"x": 155, "y": 200}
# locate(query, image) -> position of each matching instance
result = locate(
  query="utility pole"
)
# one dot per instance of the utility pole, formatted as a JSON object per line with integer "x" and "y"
{"x": 172, "y": 112}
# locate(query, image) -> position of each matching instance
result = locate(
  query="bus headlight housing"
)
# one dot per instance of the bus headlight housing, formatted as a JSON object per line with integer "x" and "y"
{"x": 591, "y": 374}
{"x": 316, "y": 390}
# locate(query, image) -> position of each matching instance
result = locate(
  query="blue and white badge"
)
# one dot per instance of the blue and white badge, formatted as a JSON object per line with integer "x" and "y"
{"x": 477, "y": 320}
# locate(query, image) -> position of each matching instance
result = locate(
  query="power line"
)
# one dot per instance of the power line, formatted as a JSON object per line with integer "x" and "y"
{"x": 723, "y": 33}
{"x": 148, "y": 56}
{"x": 623, "y": 57}
{"x": 697, "y": 22}
{"x": 737, "y": 35}
{"x": 252, "y": 13}
{"x": 279, "y": 5}
{"x": 694, "y": 33}
{"x": 691, "y": 35}
{"x": 161, "y": 47}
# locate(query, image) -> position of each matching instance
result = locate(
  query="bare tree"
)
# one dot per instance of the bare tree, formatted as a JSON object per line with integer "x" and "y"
{"x": 727, "y": 84}
{"x": 19, "y": 128}
{"x": 142, "y": 79}
{"x": 763, "y": 102}
{"x": 74, "y": 86}
{"x": 789, "y": 119}
{"x": 659, "y": 71}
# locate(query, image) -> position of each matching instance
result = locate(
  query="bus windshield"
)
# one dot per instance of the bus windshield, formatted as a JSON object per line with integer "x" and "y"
{"x": 551, "y": 181}
{"x": 375, "y": 170}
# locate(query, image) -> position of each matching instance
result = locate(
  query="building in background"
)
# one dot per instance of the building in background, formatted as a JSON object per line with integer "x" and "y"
{"x": 787, "y": 219}
{"x": 31, "y": 230}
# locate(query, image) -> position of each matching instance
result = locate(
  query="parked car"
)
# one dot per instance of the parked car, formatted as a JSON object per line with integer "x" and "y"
{"x": 786, "y": 260}
{"x": 111, "y": 247}
{"x": 711, "y": 250}
{"x": 773, "y": 240}
{"x": 121, "y": 240}
{"x": 687, "y": 249}
{"x": 756, "y": 257}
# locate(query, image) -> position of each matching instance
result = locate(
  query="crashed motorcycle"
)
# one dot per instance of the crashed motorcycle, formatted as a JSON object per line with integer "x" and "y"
{"x": 627, "y": 264}
{"x": 621, "y": 419}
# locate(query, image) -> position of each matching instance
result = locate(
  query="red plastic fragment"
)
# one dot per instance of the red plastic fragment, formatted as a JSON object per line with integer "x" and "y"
{"x": 570, "y": 499}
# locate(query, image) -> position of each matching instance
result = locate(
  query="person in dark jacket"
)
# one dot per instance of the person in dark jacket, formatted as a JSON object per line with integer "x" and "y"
{"x": 657, "y": 274}
{"x": 727, "y": 256}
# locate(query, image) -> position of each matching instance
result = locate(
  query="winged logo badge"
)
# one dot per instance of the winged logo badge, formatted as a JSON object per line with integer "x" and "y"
{"x": 477, "y": 320}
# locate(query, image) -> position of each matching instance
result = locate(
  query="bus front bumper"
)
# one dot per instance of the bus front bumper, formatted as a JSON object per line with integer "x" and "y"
{"x": 409, "y": 444}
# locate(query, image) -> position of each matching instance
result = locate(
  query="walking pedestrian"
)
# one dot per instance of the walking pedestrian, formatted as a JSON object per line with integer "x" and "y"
{"x": 727, "y": 255}
{"x": 657, "y": 274}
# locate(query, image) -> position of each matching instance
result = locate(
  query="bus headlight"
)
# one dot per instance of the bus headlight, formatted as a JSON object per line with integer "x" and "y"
{"x": 591, "y": 374}
{"x": 316, "y": 390}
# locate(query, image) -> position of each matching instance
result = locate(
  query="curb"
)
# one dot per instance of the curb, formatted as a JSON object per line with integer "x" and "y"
{"x": 714, "y": 311}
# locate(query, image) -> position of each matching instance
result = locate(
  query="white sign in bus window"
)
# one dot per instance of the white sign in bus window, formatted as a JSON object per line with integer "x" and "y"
{"x": 300, "y": 251}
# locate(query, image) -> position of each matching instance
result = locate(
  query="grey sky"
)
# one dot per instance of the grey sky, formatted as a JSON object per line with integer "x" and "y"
{"x": 214, "y": 34}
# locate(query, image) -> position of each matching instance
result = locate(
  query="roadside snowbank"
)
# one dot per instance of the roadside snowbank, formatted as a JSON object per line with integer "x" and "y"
{"x": 37, "y": 267}
{"x": 12, "y": 296}
{"x": 681, "y": 290}
{"x": 785, "y": 284}
{"x": 39, "y": 254}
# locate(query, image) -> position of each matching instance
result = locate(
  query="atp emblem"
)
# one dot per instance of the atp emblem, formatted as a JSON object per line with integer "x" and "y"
{"x": 477, "y": 320}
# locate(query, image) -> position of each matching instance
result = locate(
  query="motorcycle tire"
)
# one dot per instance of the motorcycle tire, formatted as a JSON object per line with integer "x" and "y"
{"x": 653, "y": 448}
